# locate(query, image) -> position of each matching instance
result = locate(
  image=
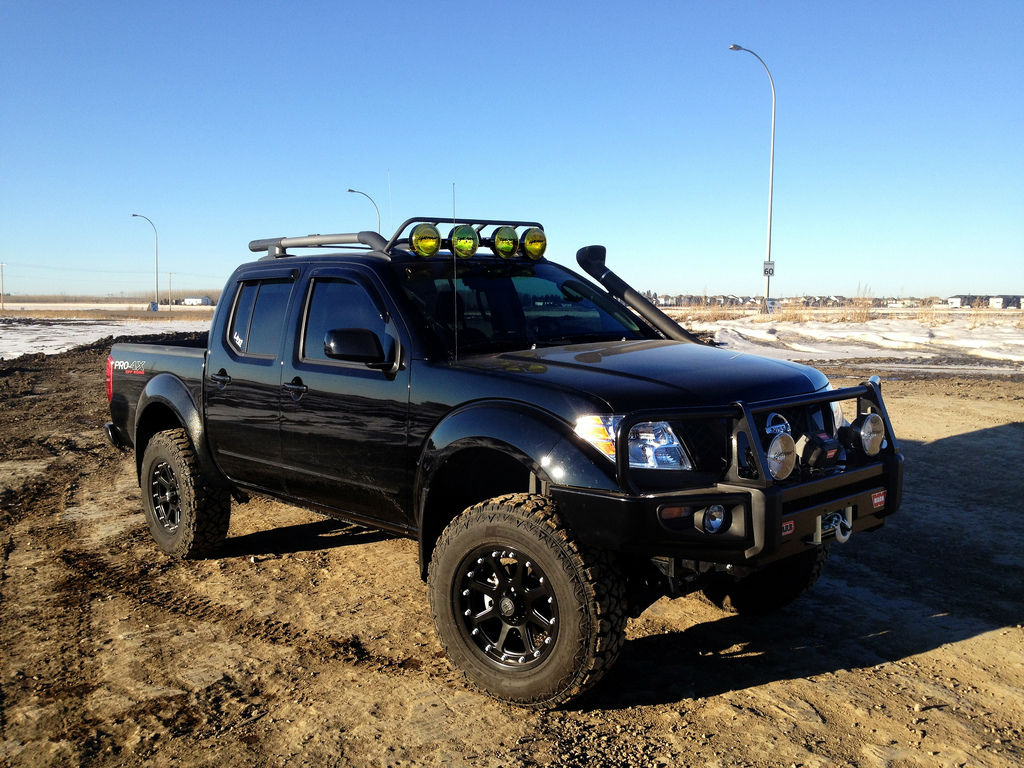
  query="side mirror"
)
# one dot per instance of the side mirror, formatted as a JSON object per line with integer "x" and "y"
{"x": 354, "y": 345}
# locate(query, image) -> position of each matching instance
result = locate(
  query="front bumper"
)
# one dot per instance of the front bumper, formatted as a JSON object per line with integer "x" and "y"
{"x": 763, "y": 524}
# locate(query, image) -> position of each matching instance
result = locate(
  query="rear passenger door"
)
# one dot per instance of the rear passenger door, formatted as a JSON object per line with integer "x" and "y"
{"x": 243, "y": 381}
{"x": 343, "y": 424}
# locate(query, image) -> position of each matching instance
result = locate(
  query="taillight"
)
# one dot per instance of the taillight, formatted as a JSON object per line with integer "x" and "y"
{"x": 110, "y": 378}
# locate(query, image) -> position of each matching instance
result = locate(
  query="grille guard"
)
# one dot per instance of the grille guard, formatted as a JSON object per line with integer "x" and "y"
{"x": 868, "y": 396}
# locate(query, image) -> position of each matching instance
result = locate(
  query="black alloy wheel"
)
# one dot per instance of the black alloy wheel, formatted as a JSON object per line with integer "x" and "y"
{"x": 507, "y": 606}
{"x": 166, "y": 501}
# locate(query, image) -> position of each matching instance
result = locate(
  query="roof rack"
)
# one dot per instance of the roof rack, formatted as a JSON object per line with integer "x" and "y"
{"x": 277, "y": 247}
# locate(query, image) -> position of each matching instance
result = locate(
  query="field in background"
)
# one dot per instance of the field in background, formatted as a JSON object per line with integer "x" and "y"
{"x": 97, "y": 310}
{"x": 929, "y": 316}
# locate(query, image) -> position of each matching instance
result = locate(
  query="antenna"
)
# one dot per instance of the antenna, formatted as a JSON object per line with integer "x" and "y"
{"x": 455, "y": 287}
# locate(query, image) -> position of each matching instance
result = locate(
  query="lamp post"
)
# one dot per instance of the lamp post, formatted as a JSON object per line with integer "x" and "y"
{"x": 156, "y": 259}
{"x": 769, "y": 267}
{"x": 357, "y": 192}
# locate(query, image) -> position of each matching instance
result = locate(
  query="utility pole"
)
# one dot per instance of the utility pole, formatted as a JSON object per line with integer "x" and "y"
{"x": 2, "y": 265}
{"x": 170, "y": 292}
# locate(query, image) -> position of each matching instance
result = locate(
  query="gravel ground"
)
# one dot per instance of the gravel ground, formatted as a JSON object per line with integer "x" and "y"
{"x": 309, "y": 642}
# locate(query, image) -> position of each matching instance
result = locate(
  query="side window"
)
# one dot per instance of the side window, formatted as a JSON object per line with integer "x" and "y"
{"x": 338, "y": 303}
{"x": 258, "y": 318}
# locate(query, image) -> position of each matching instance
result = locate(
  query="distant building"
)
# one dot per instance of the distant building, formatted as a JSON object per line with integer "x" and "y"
{"x": 197, "y": 301}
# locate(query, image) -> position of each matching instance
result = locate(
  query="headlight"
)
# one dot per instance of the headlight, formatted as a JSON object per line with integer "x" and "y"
{"x": 652, "y": 444}
{"x": 870, "y": 429}
{"x": 838, "y": 420}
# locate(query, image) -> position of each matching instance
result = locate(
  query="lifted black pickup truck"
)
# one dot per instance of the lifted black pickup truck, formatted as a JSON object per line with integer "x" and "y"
{"x": 563, "y": 453}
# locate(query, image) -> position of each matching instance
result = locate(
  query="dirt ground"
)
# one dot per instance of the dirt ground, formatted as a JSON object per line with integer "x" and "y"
{"x": 309, "y": 642}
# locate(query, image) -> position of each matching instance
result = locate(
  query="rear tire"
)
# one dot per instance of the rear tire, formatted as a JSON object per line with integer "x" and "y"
{"x": 521, "y": 610}
{"x": 187, "y": 516}
{"x": 769, "y": 589}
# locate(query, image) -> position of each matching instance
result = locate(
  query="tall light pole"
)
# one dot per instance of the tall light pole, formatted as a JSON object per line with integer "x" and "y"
{"x": 357, "y": 192}
{"x": 2, "y": 265}
{"x": 769, "y": 266}
{"x": 156, "y": 259}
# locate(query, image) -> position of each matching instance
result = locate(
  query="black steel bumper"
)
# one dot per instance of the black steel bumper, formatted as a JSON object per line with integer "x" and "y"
{"x": 762, "y": 524}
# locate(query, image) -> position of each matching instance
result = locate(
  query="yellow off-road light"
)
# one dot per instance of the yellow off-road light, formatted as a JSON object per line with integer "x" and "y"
{"x": 535, "y": 242}
{"x": 425, "y": 240}
{"x": 506, "y": 242}
{"x": 465, "y": 240}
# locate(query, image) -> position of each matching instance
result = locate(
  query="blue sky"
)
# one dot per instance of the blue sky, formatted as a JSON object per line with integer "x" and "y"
{"x": 899, "y": 158}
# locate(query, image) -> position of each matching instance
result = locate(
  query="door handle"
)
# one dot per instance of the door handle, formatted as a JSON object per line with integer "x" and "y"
{"x": 296, "y": 388}
{"x": 221, "y": 378}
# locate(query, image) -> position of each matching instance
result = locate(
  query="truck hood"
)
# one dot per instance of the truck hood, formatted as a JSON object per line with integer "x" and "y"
{"x": 629, "y": 375}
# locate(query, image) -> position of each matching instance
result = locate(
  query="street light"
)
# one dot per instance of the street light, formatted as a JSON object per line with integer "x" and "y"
{"x": 156, "y": 259}
{"x": 357, "y": 192}
{"x": 769, "y": 267}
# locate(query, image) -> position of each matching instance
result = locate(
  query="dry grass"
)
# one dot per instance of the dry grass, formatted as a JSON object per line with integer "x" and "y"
{"x": 859, "y": 312}
{"x": 178, "y": 313}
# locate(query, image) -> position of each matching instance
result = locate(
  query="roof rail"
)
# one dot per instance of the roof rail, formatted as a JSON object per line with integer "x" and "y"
{"x": 276, "y": 247}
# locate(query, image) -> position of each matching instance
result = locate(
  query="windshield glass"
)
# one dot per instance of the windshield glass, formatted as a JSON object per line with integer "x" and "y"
{"x": 499, "y": 306}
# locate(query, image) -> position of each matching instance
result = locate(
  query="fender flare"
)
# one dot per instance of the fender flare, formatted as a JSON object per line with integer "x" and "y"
{"x": 539, "y": 440}
{"x": 168, "y": 390}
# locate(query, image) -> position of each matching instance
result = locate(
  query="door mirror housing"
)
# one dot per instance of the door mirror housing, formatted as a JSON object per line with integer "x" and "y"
{"x": 354, "y": 345}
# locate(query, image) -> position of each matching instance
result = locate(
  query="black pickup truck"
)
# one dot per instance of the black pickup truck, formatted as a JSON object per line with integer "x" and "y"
{"x": 563, "y": 452}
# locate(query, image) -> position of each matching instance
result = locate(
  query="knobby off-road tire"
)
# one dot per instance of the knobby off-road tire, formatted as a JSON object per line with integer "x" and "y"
{"x": 771, "y": 588}
{"x": 187, "y": 515}
{"x": 522, "y": 610}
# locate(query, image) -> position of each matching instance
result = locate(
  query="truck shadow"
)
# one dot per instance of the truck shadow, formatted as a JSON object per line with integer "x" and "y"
{"x": 944, "y": 569}
{"x": 305, "y": 537}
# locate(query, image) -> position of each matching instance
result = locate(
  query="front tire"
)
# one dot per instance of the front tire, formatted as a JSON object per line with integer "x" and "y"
{"x": 187, "y": 516}
{"x": 521, "y": 610}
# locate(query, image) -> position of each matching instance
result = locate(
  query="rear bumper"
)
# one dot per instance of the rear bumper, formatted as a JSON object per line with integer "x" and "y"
{"x": 762, "y": 524}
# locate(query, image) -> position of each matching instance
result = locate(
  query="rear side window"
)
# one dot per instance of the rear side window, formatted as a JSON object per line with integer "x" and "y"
{"x": 335, "y": 304}
{"x": 258, "y": 319}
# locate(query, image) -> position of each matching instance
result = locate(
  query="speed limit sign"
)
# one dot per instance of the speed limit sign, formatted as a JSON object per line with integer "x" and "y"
{"x": 769, "y": 269}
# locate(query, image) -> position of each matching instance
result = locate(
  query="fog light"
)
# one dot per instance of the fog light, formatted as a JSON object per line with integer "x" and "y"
{"x": 464, "y": 240}
{"x": 506, "y": 242}
{"x": 535, "y": 242}
{"x": 713, "y": 518}
{"x": 425, "y": 240}
{"x": 871, "y": 430}
{"x": 781, "y": 456}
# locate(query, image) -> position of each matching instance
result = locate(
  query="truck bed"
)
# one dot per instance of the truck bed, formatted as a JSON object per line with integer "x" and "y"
{"x": 133, "y": 366}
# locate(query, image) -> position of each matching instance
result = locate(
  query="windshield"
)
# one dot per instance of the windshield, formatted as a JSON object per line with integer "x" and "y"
{"x": 498, "y": 306}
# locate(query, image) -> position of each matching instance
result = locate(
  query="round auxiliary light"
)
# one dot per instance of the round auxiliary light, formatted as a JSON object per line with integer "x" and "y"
{"x": 871, "y": 430}
{"x": 781, "y": 456}
{"x": 506, "y": 242}
{"x": 535, "y": 242}
{"x": 714, "y": 518}
{"x": 425, "y": 240}
{"x": 465, "y": 240}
